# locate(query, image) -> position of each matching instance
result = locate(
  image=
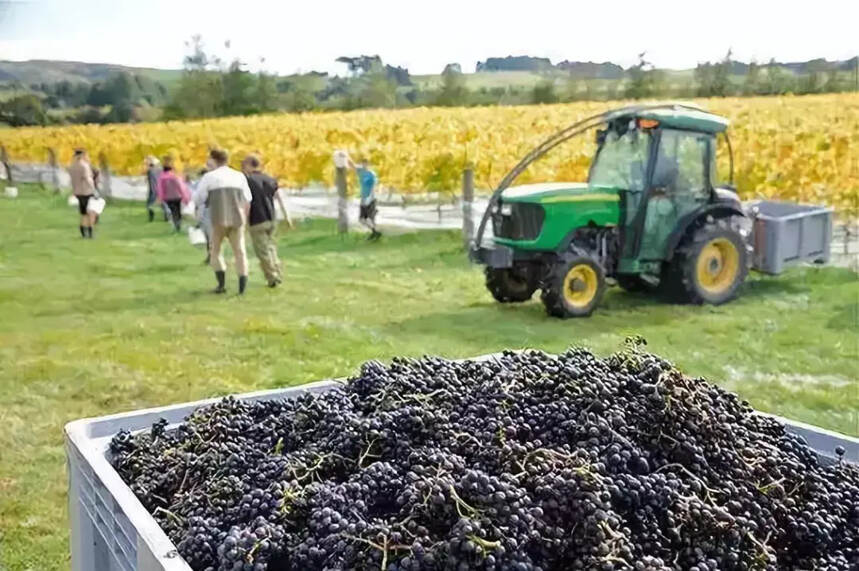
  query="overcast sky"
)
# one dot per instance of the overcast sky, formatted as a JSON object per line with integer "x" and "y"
{"x": 425, "y": 35}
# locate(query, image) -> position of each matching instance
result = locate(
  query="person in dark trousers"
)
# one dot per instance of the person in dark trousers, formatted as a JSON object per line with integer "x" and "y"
{"x": 367, "y": 180}
{"x": 153, "y": 171}
{"x": 262, "y": 223}
{"x": 83, "y": 187}
{"x": 173, "y": 192}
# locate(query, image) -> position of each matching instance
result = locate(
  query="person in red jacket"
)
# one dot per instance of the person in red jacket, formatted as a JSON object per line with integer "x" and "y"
{"x": 173, "y": 192}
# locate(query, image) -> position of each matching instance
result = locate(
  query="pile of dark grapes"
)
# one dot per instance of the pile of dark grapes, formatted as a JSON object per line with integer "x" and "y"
{"x": 527, "y": 461}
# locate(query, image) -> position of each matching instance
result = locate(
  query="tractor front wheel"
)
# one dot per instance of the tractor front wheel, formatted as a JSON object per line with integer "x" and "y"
{"x": 510, "y": 285}
{"x": 574, "y": 287}
{"x": 709, "y": 268}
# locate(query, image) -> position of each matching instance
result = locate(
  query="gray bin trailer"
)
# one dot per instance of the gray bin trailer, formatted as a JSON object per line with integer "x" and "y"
{"x": 112, "y": 531}
{"x": 786, "y": 233}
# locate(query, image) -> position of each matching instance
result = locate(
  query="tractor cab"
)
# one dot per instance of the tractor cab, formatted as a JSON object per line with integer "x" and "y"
{"x": 651, "y": 214}
{"x": 662, "y": 164}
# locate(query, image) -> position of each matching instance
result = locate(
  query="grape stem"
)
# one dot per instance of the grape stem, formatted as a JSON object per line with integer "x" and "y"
{"x": 384, "y": 547}
{"x": 169, "y": 514}
{"x": 460, "y": 502}
{"x": 366, "y": 453}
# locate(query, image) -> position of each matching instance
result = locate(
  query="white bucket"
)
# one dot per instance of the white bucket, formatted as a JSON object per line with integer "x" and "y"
{"x": 196, "y": 236}
{"x": 11, "y": 192}
{"x": 95, "y": 205}
{"x": 341, "y": 159}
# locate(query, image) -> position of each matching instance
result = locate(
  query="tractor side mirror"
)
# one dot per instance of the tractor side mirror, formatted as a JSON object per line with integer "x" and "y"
{"x": 600, "y": 138}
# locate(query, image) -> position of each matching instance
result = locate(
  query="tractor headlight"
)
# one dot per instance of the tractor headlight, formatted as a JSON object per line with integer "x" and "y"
{"x": 506, "y": 209}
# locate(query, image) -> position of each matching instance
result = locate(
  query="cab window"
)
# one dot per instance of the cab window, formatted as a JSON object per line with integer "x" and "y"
{"x": 681, "y": 163}
{"x": 621, "y": 161}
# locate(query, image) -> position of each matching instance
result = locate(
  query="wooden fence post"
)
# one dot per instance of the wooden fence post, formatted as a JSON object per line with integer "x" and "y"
{"x": 286, "y": 216}
{"x": 4, "y": 158}
{"x": 467, "y": 206}
{"x": 104, "y": 175}
{"x": 55, "y": 169}
{"x": 342, "y": 204}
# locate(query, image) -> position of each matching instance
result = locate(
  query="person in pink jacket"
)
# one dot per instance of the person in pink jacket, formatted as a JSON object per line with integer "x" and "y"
{"x": 173, "y": 192}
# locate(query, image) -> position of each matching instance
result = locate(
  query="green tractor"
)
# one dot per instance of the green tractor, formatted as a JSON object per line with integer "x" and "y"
{"x": 651, "y": 217}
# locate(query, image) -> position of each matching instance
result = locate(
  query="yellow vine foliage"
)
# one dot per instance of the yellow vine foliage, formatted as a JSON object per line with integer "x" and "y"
{"x": 802, "y": 148}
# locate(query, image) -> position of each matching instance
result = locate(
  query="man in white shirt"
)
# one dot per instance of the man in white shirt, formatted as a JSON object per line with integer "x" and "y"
{"x": 227, "y": 197}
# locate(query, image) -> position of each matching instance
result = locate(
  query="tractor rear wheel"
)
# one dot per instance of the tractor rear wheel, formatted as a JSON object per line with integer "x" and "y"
{"x": 709, "y": 268}
{"x": 510, "y": 285}
{"x": 574, "y": 288}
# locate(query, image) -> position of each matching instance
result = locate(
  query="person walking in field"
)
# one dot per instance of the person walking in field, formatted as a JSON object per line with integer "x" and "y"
{"x": 367, "y": 180}
{"x": 173, "y": 192}
{"x": 83, "y": 187}
{"x": 262, "y": 223}
{"x": 228, "y": 197}
{"x": 153, "y": 171}
{"x": 202, "y": 211}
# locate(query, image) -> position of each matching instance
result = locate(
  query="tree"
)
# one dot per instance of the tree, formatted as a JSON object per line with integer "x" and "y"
{"x": 376, "y": 89}
{"x": 89, "y": 114}
{"x": 452, "y": 68}
{"x": 265, "y": 94}
{"x": 644, "y": 80}
{"x": 23, "y": 110}
{"x": 453, "y": 90}
{"x": 122, "y": 112}
{"x": 812, "y": 82}
{"x": 544, "y": 92}
{"x": 573, "y": 88}
{"x": 360, "y": 64}
{"x": 237, "y": 90}
{"x": 299, "y": 99}
{"x": 776, "y": 82}
{"x": 834, "y": 83}
{"x": 199, "y": 93}
{"x": 752, "y": 83}
{"x": 714, "y": 79}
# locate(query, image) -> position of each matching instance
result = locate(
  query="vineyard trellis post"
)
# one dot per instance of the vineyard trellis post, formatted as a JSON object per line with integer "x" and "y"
{"x": 4, "y": 158}
{"x": 55, "y": 169}
{"x": 342, "y": 204}
{"x": 467, "y": 205}
{"x": 104, "y": 174}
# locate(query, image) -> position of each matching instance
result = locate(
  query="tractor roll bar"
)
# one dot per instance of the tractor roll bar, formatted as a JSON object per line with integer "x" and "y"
{"x": 562, "y": 136}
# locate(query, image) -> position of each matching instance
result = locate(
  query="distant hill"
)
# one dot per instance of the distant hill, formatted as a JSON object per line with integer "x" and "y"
{"x": 50, "y": 71}
{"x": 591, "y": 70}
{"x": 515, "y": 63}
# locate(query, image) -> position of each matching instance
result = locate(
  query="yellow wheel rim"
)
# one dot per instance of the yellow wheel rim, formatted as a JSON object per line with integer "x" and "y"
{"x": 718, "y": 265}
{"x": 580, "y": 285}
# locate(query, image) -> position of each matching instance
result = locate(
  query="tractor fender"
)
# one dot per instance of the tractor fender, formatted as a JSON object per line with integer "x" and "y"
{"x": 564, "y": 245}
{"x": 692, "y": 220}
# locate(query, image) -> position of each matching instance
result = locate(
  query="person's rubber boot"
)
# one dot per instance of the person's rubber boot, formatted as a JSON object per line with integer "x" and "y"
{"x": 151, "y": 215}
{"x": 243, "y": 283}
{"x": 83, "y": 232}
{"x": 221, "y": 277}
{"x": 89, "y": 232}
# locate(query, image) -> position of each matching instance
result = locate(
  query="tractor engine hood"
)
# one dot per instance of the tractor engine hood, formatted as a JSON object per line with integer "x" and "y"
{"x": 556, "y": 192}
{"x": 544, "y": 216}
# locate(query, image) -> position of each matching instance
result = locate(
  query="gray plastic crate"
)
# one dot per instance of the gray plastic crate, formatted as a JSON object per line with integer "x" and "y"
{"x": 110, "y": 528}
{"x": 785, "y": 233}
{"x": 112, "y": 531}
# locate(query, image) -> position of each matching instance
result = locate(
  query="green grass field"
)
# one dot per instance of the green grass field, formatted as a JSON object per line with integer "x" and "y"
{"x": 126, "y": 321}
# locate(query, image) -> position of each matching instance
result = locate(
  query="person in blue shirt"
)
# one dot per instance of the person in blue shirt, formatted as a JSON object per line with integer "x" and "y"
{"x": 367, "y": 180}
